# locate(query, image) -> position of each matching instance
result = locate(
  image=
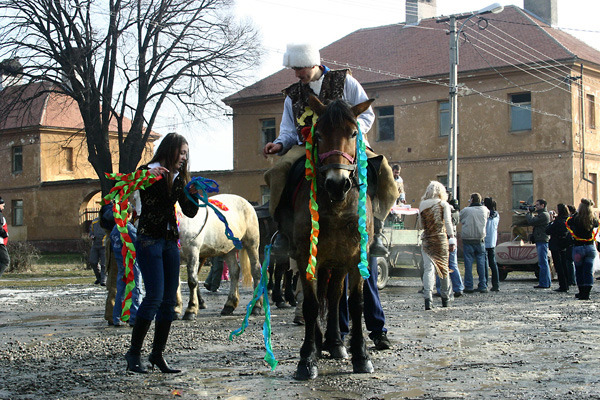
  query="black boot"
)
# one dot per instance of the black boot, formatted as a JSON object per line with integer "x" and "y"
{"x": 584, "y": 292}
{"x": 96, "y": 273}
{"x": 140, "y": 329}
{"x": 161, "y": 334}
{"x": 444, "y": 302}
{"x": 427, "y": 304}
{"x": 377, "y": 248}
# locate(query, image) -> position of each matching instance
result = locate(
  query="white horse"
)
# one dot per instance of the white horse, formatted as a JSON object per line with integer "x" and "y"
{"x": 204, "y": 236}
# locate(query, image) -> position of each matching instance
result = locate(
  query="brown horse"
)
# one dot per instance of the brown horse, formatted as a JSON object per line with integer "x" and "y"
{"x": 339, "y": 239}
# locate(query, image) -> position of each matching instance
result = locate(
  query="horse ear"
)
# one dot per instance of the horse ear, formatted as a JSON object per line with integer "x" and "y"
{"x": 316, "y": 105}
{"x": 362, "y": 107}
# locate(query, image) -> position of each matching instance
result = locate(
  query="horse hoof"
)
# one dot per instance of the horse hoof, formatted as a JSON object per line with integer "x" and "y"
{"x": 281, "y": 304}
{"x": 227, "y": 310}
{"x": 307, "y": 369}
{"x": 188, "y": 316}
{"x": 256, "y": 310}
{"x": 202, "y": 306}
{"x": 338, "y": 352}
{"x": 363, "y": 366}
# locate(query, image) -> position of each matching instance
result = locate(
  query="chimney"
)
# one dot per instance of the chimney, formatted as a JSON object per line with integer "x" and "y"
{"x": 545, "y": 10}
{"x": 416, "y": 10}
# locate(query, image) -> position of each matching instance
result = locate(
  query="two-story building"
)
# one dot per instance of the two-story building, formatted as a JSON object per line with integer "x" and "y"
{"x": 527, "y": 109}
{"x": 50, "y": 189}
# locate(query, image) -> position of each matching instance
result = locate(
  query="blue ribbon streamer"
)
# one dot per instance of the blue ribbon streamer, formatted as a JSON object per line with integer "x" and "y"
{"x": 361, "y": 161}
{"x": 261, "y": 290}
{"x": 204, "y": 186}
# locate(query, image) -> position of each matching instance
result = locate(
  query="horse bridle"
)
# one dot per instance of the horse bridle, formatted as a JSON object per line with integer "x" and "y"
{"x": 349, "y": 167}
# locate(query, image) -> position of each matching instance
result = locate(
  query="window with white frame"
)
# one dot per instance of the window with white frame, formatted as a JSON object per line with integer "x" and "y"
{"x": 520, "y": 112}
{"x": 385, "y": 123}
{"x": 444, "y": 118}
{"x": 267, "y": 127}
{"x": 522, "y": 188}
{"x": 17, "y": 212}
{"x": 17, "y": 159}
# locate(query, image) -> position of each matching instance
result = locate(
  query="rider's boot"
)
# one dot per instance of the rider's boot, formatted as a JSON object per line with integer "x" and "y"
{"x": 377, "y": 248}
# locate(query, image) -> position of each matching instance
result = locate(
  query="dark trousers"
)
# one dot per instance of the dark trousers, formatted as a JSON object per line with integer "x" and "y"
{"x": 4, "y": 259}
{"x": 491, "y": 262}
{"x": 373, "y": 312}
{"x": 571, "y": 267}
{"x": 559, "y": 258}
{"x": 213, "y": 279}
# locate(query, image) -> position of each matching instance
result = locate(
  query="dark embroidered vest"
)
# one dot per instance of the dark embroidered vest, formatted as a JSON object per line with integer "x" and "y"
{"x": 331, "y": 89}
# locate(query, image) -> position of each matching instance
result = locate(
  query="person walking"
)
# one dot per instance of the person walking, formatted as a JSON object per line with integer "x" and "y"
{"x": 540, "y": 222}
{"x": 582, "y": 227}
{"x": 437, "y": 241}
{"x": 491, "y": 236}
{"x": 473, "y": 219}
{"x": 157, "y": 250}
{"x": 4, "y": 257}
{"x": 97, "y": 258}
{"x": 560, "y": 241}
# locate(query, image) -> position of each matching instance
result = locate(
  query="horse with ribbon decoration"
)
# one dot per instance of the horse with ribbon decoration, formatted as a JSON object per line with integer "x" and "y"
{"x": 226, "y": 225}
{"x": 332, "y": 225}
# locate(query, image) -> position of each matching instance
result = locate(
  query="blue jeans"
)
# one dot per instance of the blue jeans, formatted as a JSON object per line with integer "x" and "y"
{"x": 136, "y": 292}
{"x": 474, "y": 252}
{"x": 372, "y": 310}
{"x": 542, "y": 252}
{"x": 584, "y": 256}
{"x": 158, "y": 260}
{"x": 455, "y": 278}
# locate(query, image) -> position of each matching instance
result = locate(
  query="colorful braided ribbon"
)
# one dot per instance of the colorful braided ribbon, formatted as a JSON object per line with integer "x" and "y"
{"x": 125, "y": 186}
{"x": 313, "y": 206}
{"x": 261, "y": 290}
{"x": 361, "y": 161}
{"x": 204, "y": 186}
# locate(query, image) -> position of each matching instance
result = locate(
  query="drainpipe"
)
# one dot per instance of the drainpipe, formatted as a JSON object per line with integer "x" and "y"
{"x": 582, "y": 106}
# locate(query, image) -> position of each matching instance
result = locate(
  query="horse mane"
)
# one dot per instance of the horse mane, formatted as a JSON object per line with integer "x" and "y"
{"x": 337, "y": 113}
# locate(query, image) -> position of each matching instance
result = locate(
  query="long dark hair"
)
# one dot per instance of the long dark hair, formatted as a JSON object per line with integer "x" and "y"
{"x": 563, "y": 211}
{"x": 168, "y": 154}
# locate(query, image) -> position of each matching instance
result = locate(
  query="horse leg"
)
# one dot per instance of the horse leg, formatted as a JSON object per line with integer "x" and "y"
{"x": 361, "y": 362}
{"x": 288, "y": 282}
{"x": 234, "y": 280}
{"x": 333, "y": 339}
{"x": 307, "y": 366}
{"x": 192, "y": 268}
{"x": 277, "y": 295}
{"x": 255, "y": 270}
{"x": 179, "y": 304}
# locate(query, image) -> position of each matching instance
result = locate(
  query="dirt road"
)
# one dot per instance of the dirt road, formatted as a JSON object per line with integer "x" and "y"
{"x": 519, "y": 343}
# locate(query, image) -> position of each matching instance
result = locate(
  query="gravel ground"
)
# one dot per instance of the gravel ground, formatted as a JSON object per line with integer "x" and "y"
{"x": 519, "y": 343}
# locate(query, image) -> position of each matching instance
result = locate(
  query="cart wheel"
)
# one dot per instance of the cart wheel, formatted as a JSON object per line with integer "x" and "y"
{"x": 383, "y": 274}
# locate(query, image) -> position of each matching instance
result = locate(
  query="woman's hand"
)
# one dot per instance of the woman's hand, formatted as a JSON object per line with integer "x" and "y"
{"x": 158, "y": 171}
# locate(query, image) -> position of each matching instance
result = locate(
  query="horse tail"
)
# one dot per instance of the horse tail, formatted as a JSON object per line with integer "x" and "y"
{"x": 246, "y": 267}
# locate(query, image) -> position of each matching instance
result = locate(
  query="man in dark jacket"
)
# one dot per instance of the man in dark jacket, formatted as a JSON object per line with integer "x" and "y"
{"x": 539, "y": 219}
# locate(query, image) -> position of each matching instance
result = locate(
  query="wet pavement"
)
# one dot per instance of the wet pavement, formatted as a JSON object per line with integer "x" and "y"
{"x": 519, "y": 343}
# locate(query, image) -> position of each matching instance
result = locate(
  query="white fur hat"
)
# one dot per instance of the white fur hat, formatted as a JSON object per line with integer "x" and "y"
{"x": 301, "y": 56}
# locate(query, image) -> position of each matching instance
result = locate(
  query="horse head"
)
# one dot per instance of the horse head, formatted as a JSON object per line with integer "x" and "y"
{"x": 335, "y": 138}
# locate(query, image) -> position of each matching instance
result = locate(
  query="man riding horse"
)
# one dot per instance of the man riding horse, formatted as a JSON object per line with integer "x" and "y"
{"x": 318, "y": 80}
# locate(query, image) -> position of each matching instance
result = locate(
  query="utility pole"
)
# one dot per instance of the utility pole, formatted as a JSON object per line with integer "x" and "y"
{"x": 453, "y": 93}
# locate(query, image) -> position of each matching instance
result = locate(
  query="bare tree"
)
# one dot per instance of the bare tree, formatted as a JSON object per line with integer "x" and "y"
{"x": 122, "y": 60}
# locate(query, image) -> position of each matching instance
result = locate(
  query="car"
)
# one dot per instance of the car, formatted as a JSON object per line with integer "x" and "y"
{"x": 519, "y": 254}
